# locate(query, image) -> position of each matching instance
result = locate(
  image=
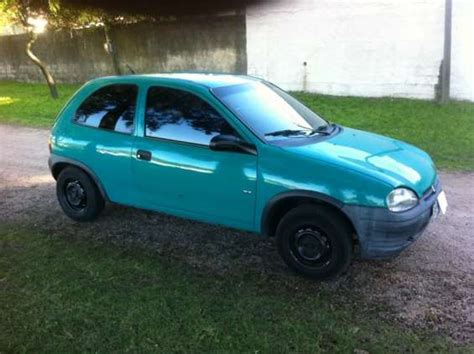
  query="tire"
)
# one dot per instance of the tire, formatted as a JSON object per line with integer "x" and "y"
{"x": 78, "y": 195}
{"x": 315, "y": 241}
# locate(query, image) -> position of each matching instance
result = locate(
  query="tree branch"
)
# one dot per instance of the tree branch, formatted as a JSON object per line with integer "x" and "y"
{"x": 49, "y": 78}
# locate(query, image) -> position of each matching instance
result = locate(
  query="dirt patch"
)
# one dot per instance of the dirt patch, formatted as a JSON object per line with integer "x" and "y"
{"x": 431, "y": 285}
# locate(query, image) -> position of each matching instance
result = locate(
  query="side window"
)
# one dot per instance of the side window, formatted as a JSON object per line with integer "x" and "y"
{"x": 111, "y": 107}
{"x": 182, "y": 116}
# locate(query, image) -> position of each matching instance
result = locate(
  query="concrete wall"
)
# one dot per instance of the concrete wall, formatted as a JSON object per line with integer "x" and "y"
{"x": 462, "y": 61}
{"x": 350, "y": 47}
{"x": 200, "y": 44}
{"x": 360, "y": 47}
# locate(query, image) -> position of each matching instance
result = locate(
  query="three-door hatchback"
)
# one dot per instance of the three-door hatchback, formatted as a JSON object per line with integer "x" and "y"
{"x": 240, "y": 152}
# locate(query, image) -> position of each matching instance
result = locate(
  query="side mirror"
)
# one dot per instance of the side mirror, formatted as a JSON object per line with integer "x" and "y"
{"x": 231, "y": 143}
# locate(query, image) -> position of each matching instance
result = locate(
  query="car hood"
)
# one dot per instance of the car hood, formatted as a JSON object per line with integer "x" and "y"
{"x": 387, "y": 159}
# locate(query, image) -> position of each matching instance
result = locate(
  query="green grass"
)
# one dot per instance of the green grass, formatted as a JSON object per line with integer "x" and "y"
{"x": 445, "y": 132}
{"x": 31, "y": 104}
{"x": 62, "y": 295}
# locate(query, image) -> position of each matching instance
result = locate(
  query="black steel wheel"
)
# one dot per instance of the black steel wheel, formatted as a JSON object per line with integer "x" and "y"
{"x": 315, "y": 241}
{"x": 78, "y": 195}
{"x": 311, "y": 246}
{"x": 75, "y": 194}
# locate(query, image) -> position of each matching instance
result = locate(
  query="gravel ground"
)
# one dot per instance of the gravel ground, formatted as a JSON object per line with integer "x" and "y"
{"x": 429, "y": 286}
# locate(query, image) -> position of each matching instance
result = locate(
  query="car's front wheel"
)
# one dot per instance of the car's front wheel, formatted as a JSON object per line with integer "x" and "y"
{"x": 315, "y": 241}
{"x": 78, "y": 195}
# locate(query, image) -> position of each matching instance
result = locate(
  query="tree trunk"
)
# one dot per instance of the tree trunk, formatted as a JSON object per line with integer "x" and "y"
{"x": 110, "y": 48}
{"x": 49, "y": 78}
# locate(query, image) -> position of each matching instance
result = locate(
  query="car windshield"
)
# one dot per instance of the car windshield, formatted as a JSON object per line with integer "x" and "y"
{"x": 270, "y": 112}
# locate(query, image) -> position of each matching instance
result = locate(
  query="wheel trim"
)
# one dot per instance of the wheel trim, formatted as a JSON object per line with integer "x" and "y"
{"x": 311, "y": 247}
{"x": 75, "y": 195}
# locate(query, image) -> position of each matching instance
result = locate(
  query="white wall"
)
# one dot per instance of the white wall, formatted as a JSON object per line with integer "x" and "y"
{"x": 360, "y": 47}
{"x": 462, "y": 59}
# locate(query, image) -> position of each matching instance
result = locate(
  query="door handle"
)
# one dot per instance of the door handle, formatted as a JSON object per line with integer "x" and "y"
{"x": 144, "y": 155}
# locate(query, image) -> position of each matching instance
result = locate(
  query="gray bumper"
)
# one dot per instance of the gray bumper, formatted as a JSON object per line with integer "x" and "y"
{"x": 384, "y": 234}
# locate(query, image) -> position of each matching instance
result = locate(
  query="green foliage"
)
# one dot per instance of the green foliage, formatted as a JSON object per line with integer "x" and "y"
{"x": 18, "y": 11}
{"x": 59, "y": 14}
{"x": 7, "y": 16}
{"x": 61, "y": 296}
{"x": 8, "y": 12}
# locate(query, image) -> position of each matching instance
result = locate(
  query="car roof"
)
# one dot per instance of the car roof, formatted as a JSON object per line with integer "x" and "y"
{"x": 209, "y": 80}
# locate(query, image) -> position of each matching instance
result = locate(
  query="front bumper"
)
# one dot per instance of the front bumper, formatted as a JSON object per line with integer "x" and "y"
{"x": 384, "y": 234}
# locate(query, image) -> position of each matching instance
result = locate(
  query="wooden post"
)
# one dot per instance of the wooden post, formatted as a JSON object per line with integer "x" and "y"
{"x": 446, "y": 65}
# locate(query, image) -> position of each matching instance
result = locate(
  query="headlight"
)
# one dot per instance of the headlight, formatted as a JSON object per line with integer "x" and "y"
{"x": 401, "y": 199}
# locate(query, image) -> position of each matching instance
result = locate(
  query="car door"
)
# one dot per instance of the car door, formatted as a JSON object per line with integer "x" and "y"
{"x": 175, "y": 170}
{"x": 102, "y": 135}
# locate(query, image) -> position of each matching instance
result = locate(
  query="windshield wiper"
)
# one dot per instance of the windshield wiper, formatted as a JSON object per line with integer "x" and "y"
{"x": 327, "y": 129}
{"x": 288, "y": 132}
{"x": 321, "y": 130}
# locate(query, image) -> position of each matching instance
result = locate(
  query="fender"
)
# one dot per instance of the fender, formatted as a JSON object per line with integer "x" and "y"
{"x": 55, "y": 160}
{"x": 267, "y": 211}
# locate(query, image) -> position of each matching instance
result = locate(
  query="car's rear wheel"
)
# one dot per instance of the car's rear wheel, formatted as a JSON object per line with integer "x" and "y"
{"x": 78, "y": 195}
{"x": 315, "y": 241}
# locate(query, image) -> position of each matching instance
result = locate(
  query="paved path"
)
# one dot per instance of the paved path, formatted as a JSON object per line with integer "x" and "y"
{"x": 430, "y": 285}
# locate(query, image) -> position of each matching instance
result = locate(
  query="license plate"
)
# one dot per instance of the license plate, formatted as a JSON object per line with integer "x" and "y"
{"x": 442, "y": 202}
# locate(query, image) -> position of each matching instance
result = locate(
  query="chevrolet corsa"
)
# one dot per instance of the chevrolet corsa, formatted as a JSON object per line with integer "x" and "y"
{"x": 241, "y": 152}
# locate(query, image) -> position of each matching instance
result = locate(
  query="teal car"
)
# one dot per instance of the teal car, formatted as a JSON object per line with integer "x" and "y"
{"x": 240, "y": 152}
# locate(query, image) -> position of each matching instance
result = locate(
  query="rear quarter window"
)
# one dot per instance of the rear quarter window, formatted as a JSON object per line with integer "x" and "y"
{"x": 110, "y": 108}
